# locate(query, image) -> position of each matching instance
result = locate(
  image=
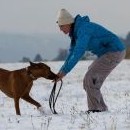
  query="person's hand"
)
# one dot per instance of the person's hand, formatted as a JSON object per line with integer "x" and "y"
{"x": 60, "y": 75}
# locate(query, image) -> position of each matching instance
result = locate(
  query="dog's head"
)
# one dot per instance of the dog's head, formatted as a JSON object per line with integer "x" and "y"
{"x": 41, "y": 70}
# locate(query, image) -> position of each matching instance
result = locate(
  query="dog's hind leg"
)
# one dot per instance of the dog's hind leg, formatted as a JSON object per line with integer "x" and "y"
{"x": 29, "y": 99}
{"x": 16, "y": 101}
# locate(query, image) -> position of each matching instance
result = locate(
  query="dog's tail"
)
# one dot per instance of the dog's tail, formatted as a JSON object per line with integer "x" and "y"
{"x": 53, "y": 98}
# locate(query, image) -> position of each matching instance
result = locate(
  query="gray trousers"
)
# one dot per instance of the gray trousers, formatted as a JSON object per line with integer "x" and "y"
{"x": 94, "y": 78}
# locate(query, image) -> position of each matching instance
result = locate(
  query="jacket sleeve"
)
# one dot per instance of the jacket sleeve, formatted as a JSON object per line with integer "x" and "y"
{"x": 68, "y": 57}
{"x": 77, "y": 52}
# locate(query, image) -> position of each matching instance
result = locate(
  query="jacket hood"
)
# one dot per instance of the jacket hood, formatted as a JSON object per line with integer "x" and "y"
{"x": 77, "y": 22}
{"x": 79, "y": 19}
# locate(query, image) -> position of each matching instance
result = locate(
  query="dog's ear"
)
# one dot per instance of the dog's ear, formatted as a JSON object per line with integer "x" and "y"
{"x": 31, "y": 63}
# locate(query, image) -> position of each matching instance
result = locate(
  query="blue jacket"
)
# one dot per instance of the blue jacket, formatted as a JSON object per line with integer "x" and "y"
{"x": 89, "y": 36}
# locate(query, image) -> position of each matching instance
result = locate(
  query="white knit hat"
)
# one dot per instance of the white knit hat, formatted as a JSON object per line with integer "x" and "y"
{"x": 64, "y": 17}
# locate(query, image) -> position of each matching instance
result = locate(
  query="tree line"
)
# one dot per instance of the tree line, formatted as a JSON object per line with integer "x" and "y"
{"x": 37, "y": 58}
{"x": 127, "y": 43}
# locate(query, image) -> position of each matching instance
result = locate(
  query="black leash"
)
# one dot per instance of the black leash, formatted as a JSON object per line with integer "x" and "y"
{"x": 53, "y": 98}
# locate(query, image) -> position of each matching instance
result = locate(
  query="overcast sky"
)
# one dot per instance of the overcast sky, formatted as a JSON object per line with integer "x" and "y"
{"x": 38, "y": 16}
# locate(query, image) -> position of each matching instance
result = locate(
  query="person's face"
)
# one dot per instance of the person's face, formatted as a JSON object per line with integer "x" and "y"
{"x": 65, "y": 28}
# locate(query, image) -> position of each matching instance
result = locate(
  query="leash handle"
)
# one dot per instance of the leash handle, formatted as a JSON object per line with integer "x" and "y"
{"x": 53, "y": 98}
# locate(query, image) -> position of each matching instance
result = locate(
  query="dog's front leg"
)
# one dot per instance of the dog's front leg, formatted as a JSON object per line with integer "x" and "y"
{"x": 29, "y": 99}
{"x": 16, "y": 101}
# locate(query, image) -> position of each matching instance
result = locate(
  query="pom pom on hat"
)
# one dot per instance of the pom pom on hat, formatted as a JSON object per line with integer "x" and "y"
{"x": 64, "y": 17}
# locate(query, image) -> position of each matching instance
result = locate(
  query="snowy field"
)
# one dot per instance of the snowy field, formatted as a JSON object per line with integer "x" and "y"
{"x": 71, "y": 103}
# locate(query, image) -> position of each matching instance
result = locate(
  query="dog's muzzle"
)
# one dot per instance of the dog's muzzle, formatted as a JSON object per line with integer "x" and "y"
{"x": 52, "y": 76}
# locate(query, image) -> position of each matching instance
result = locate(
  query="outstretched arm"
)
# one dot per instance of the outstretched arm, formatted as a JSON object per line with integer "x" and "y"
{"x": 78, "y": 51}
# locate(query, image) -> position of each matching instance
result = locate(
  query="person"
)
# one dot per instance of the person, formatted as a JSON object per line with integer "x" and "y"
{"x": 89, "y": 36}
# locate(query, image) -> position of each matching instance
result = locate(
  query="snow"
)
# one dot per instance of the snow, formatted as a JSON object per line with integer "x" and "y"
{"x": 71, "y": 102}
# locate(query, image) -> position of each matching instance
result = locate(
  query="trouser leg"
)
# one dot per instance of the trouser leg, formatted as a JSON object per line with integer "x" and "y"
{"x": 92, "y": 85}
{"x": 94, "y": 78}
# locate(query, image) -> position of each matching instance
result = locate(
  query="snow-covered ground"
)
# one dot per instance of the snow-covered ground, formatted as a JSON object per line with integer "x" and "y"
{"x": 71, "y": 102}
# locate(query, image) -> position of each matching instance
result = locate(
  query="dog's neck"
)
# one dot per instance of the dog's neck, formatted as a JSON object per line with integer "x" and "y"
{"x": 30, "y": 74}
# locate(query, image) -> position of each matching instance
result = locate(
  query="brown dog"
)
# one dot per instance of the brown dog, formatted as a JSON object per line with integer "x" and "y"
{"x": 18, "y": 83}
